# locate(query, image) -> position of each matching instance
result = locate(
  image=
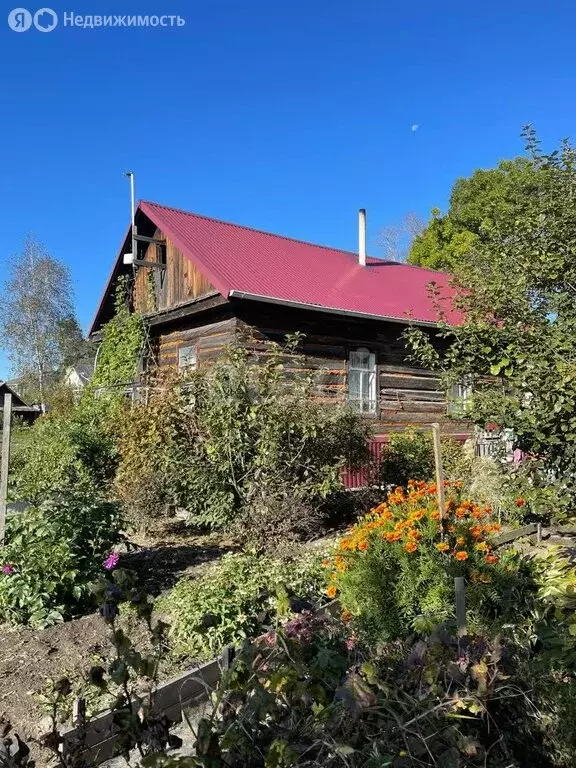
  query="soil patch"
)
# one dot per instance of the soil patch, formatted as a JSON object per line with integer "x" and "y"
{"x": 29, "y": 657}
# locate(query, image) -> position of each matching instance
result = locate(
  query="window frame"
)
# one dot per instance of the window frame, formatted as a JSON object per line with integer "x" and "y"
{"x": 460, "y": 397}
{"x": 365, "y": 406}
{"x": 191, "y": 365}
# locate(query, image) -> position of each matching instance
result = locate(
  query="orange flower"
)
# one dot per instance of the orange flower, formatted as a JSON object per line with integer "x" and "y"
{"x": 491, "y": 559}
{"x": 363, "y": 545}
{"x": 520, "y": 502}
{"x": 411, "y": 546}
{"x": 476, "y": 531}
{"x": 340, "y": 564}
{"x": 414, "y": 534}
{"x": 416, "y": 515}
{"x": 331, "y": 591}
{"x": 442, "y": 546}
{"x": 461, "y": 555}
{"x": 346, "y": 616}
{"x": 394, "y": 536}
{"x": 435, "y": 515}
{"x": 325, "y": 563}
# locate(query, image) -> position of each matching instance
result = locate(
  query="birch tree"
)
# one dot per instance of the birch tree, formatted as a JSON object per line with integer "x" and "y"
{"x": 36, "y": 301}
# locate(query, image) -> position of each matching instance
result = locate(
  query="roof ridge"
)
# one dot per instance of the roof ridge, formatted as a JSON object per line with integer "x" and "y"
{"x": 284, "y": 237}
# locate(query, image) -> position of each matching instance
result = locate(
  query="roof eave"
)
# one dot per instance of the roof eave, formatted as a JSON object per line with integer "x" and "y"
{"x": 330, "y": 310}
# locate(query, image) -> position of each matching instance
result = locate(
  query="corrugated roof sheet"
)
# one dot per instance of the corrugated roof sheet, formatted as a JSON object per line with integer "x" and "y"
{"x": 241, "y": 260}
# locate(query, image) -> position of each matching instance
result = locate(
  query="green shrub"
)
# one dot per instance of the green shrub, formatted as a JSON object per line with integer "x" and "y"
{"x": 232, "y": 599}
{"x": 408, "y": 455}
{"x": 238, "y": 448}
{"x": 52, "y": 554}
{"x": 71, "y": 451}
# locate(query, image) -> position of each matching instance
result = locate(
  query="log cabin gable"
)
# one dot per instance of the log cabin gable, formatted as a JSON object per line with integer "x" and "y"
{"x": 178, "y": 282}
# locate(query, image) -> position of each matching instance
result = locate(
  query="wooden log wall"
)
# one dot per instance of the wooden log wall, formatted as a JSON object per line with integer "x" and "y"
{"x": 181, "y": 281}
{"x": 407, "y": 395}
{"x": 209, "y": 341}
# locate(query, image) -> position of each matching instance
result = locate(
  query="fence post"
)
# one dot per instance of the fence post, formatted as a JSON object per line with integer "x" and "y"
{"x": 439, "y": 474}
{"x": 5, "y": 463}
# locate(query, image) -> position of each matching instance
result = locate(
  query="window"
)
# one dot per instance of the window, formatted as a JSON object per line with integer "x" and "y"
{"x": 362, "y": 380}
{"x": 187, "y": 357}
{"x": 459, "y": 398}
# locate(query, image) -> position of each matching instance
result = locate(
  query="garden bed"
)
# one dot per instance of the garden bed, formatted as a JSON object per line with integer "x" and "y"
{"x": 29, "y": 657}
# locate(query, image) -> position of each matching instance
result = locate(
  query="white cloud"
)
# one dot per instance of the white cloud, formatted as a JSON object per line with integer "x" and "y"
{"x": 414, "y": 127}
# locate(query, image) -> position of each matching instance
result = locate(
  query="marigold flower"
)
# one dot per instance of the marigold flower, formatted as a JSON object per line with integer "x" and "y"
{"x": 460, "y": 540}
{"x": 416, "y": 515}
{"x": 442, "y": 546}
{"x": 414, "y": 534}
{"x": 411, "y": 546}
{"x": 435, "y": 515}
{"x": 346, "y": 616}
{"x": 482, "y": 547}
{"x": 331, "y": 591}
{"x": 462, "y": 555}
{"x": 491, "y": 559}
{"x": 363, "y": 545}
{"x": 325, "y": 563}
{"x": 393, "y": 536}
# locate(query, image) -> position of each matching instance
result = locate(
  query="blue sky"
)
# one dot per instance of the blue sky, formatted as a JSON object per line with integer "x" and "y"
{"x": 283, "y": 116}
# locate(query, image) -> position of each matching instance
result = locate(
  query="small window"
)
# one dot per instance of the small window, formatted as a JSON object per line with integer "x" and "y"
{"x": 187, "y": 357}
{"x": 362, "y": 382}
{"x": 459, "y": 398}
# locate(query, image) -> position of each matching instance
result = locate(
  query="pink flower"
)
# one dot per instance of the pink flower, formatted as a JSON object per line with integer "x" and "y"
{"x": 111, "y": 561}
{"x": 8, "y": 569}
{"x": 350, "y": 644}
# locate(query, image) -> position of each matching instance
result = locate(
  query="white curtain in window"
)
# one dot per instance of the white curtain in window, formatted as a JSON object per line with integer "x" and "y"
{"x": 362, "y": 380}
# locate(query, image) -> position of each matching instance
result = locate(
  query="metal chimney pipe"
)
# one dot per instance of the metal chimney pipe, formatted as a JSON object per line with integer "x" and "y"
{"x": 362, "y": 237}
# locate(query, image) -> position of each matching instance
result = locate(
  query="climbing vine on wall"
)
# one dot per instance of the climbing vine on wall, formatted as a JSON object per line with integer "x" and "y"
{"x": 123, "y": 340}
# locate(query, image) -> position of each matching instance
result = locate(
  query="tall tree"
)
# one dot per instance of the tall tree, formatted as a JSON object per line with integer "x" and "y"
{"x": 74, "y": 348}
{"x": 516, "y": 344}
{"x": 37, "y": 300}
{"x": 485, "y": 202}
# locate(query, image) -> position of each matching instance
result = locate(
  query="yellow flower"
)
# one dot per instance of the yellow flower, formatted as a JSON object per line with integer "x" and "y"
{"x": 461, "y": 540}
{"x": 331, "y": 591}
{"x": 442, "y": 546}
{"x": 482, "y": 547}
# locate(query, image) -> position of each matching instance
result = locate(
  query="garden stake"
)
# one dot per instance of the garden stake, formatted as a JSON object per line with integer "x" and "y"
{"x": 5, "y": 463}
{"x": 460, "y": 591}
{"x": 439, "y": 476}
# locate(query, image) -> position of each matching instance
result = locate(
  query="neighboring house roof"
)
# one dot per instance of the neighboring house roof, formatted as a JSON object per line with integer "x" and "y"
{"x": 247, "y": 263}
{"x": 84, "y": 371}
{"x": 17, "y": 402}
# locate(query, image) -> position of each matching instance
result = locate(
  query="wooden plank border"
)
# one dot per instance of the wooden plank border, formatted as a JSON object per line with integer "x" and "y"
{"x": 190, "y": 689}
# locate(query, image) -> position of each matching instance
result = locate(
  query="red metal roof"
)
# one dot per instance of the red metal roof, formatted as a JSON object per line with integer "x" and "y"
{"x": 247, "y": 263}
{"x": 239, "y": 260}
